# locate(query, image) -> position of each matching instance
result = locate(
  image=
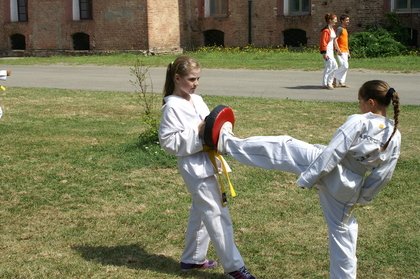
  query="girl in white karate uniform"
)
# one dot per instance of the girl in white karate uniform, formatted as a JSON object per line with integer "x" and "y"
{"x": 359, "y": 160}
{"x": 183, "y": 114}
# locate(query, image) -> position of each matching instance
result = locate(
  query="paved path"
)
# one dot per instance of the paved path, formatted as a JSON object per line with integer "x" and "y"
{"x": 300, "y": 85}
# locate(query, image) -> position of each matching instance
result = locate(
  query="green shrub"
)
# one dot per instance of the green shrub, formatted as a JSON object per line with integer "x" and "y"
{"x": 399, "y": 31}
{"x": 375, "y": 42}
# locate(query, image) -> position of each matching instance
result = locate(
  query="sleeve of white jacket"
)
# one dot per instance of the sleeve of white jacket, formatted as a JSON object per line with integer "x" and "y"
{"x": 176, "y": 138}
{"x": 378, "y": 178}
{"x": 3, "y": 74}
{"x": 332, "y": 154}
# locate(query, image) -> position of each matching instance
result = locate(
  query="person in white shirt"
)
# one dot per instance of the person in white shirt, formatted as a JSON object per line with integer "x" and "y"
{"x": 3, "y": 76}
{"x": 183, "y": 114}
{"x": 327, "y": 44}
{"x": 356, "y": 164}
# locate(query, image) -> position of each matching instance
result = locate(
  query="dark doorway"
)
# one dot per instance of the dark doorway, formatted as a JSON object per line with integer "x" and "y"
{"x": 81, "y": 41}
{"x": 295, "y": 37}
{"x": 214, "y": 38}
{"x": 18, "y": 42}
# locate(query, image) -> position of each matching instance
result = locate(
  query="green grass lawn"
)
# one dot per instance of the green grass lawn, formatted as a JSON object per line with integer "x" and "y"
{"x": 81, "y": 199}
{"x": 235, "y": 58}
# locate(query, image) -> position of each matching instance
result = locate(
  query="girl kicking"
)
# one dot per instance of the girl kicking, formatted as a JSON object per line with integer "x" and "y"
{"x": 359, "y": 160}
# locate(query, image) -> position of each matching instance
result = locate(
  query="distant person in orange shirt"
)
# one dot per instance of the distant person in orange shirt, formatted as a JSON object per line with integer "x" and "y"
{"x": 343, "y": 53}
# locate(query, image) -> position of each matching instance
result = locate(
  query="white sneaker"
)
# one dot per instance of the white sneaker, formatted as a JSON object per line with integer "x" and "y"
{"x": 221, "y": 142}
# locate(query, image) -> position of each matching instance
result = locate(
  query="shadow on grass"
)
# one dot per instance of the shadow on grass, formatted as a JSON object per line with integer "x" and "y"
{"x": 136, "y": 257}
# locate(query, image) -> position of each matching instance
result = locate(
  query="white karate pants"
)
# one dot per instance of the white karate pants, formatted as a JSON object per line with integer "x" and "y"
{"x": 343, "y": 62}
{"x": 209, "y": 220}
{"x": 330, "y": 66}
{"x": 288, "y": 154}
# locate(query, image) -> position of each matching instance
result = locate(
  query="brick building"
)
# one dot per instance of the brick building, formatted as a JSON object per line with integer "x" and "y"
{"x": 295, "y": 22}
{"x": 173, "y": 25}
{"x": 89, "y": 25}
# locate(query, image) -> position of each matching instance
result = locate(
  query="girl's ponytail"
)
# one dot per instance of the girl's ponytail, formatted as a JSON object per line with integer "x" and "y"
{"x": 383, "y": 94}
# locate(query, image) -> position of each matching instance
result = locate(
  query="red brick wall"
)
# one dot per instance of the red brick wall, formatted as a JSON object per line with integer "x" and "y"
{"x": 47, "y": 33}
{"x": 268, "y": 21}
{"x": 116, "y": 25}
{"x": 172, "y": 25}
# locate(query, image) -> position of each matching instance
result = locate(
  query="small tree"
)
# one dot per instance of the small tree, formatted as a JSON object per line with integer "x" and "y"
{"x": 149, "y": 114}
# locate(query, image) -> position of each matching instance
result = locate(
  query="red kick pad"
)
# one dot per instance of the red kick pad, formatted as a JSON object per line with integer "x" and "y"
{"x": 214, "y": 121}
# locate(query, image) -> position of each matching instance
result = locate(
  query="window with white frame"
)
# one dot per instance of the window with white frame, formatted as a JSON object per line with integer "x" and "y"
{"x": 18, "y": 10}
{"x": 405, "y": 6}
{"x": 82, "y": 9}
{"x": 214, "y": 8}
{"x": 297, "y": 7}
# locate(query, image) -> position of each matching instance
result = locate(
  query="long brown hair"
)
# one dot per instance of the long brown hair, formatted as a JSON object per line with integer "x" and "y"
{"x": 327, "y": 18}
{"x": 182, "y": 66}
{"x": 384, "y": 94}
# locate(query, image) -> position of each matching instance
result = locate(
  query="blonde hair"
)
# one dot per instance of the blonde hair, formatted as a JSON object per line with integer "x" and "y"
{"x": 182, "y": 66}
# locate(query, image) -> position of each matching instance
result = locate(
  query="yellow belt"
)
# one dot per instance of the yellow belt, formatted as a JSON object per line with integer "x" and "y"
{"x": 213, "y": 155}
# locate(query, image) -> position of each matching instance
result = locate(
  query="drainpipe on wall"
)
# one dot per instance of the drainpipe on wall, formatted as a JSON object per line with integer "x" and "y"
{"x": 249, "y": 22}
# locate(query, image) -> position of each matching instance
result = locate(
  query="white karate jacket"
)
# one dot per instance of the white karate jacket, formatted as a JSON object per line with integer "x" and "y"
{"x": 178, "y": 135}
{"x": 352, "y": 167}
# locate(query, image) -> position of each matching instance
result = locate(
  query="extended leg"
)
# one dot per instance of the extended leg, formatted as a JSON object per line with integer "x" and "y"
{"x": 271, "y": 152}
